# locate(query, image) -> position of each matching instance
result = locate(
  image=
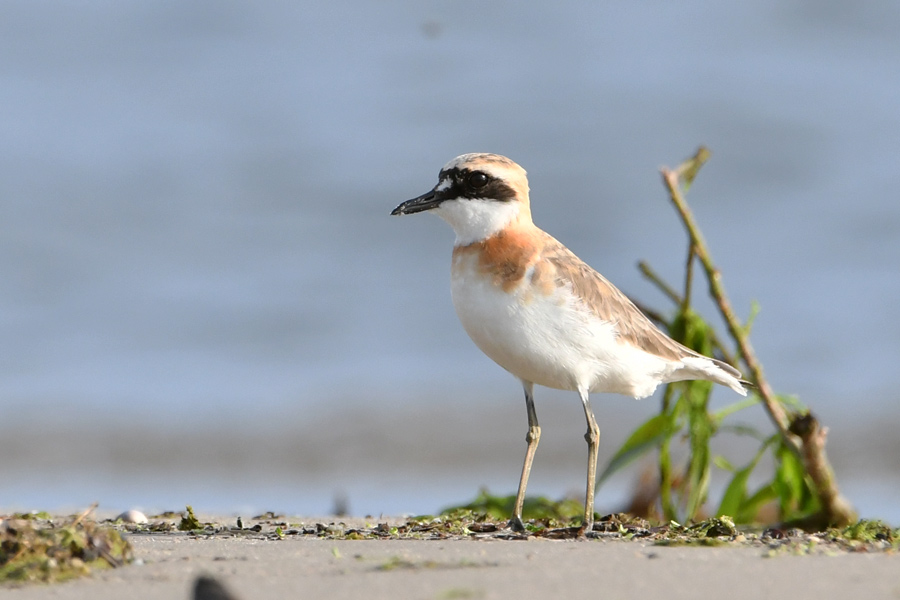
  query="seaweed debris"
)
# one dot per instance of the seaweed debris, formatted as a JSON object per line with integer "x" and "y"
{"x": 36, "y": 548}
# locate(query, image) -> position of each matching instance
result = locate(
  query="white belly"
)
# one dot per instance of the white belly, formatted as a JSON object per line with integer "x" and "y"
{"x": 551, "y": 340}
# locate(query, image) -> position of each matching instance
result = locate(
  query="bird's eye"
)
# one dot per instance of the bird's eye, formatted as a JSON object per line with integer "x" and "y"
{"x": 478, "y": 179}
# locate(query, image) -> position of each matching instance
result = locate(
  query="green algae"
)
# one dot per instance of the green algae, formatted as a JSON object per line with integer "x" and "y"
{"x": 189, "y": 522}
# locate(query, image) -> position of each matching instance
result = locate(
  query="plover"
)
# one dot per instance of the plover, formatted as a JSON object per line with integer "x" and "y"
{"x": 540, "y": 312}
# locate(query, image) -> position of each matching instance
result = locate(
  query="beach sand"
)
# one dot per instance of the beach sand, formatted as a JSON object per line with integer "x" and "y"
{"x": 307, "y": 566}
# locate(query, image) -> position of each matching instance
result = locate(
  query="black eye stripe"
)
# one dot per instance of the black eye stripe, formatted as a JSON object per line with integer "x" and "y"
{"x": 461, "y": 186}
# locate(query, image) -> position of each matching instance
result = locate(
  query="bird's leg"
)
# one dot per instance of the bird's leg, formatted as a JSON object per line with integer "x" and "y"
{"x": 533, "y": 437}
{"x": 593, "y": 440}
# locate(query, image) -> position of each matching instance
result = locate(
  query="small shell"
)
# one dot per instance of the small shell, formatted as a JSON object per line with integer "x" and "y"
{"x": 132, "y": 516}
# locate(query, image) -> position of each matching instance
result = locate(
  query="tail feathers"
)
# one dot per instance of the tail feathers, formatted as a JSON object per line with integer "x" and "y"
{"x": 710, "y": 369}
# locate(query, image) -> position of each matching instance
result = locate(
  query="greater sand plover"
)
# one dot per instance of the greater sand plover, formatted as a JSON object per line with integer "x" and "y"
{"x": 540, "y": 312}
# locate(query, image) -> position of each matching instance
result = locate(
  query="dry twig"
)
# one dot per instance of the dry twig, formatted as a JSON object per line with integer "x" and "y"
{"x": 811, "y": 447}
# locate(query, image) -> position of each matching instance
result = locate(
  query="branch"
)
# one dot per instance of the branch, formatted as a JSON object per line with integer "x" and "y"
{"x": 717, "y": 291}
{"x": 664, "y": 287}
{"x": 836, "y": 510}
{"x": 812, "y": 439}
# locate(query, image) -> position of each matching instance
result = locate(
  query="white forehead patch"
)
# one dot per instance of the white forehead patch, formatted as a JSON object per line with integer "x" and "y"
{"x": 479, "y": 160}
{"x": 443, "y": 184}
{"x": 461, "y": 160}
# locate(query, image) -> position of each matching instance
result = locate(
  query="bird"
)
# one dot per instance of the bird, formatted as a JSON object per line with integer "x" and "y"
{"x": 540, "y": 312}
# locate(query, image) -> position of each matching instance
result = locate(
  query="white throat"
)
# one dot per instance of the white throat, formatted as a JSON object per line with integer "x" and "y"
{"x": 477, "y": 219}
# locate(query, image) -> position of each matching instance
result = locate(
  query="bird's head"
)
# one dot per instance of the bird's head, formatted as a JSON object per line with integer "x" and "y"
{"x": 477, "y": 194}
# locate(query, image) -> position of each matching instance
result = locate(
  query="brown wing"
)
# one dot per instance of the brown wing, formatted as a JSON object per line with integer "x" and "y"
{"x": 608, "y": 303}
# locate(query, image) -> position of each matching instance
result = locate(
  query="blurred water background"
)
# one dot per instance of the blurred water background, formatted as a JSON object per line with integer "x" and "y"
{"x": 203, "y": 299}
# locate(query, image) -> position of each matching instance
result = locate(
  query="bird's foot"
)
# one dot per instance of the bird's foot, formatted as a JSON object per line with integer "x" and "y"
{"x": 517, "y": 525}
{"x": 586, "y": 531}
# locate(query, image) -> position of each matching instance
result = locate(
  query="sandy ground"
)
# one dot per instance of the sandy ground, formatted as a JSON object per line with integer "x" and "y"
{"x": 310, "y": 567}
